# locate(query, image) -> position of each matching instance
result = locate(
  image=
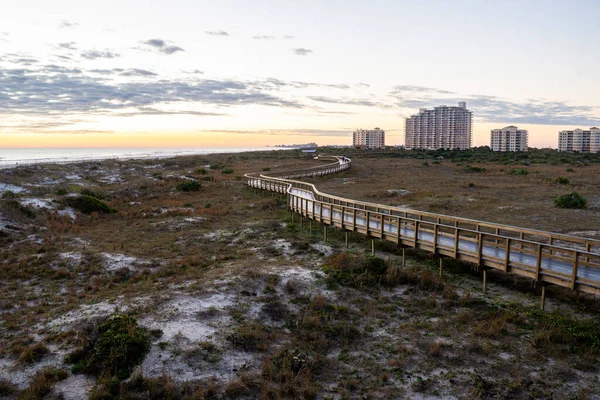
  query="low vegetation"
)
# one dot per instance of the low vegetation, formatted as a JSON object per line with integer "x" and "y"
{"x": 253, "y": 305}
{"x": 88, "y": 204}
{"x": 112, "y": 348}
{"x": 570, "y": 200}
{"x": 189, "y": 186}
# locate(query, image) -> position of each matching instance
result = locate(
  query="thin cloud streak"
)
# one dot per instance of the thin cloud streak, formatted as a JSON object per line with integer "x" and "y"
{"x": 67, "y": 24}
{"x": 95, "y": 54}
{"x": 493, "y": 109}
{"x": 162, "y": 46}
{"x": 217, "y": 33}
{"x": 302, "y": 51}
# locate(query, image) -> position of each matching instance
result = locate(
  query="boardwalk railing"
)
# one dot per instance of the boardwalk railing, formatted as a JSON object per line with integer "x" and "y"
{"x": 554, "y": 258}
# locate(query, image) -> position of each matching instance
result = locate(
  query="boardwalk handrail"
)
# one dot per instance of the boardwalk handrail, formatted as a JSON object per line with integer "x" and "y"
{"x": 555, "y": 258}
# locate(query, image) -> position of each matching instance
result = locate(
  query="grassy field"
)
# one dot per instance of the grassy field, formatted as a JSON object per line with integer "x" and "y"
{"x": 520, "y": 195}
{"x": 234, "y": 300}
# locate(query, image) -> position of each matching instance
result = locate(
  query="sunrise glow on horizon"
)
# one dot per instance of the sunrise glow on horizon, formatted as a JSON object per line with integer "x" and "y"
{"x": 236, "y": 74}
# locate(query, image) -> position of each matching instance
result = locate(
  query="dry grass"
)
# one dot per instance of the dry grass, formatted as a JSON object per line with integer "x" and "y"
{"x": 382, "y": 331}
{"x": 493, "y": 195}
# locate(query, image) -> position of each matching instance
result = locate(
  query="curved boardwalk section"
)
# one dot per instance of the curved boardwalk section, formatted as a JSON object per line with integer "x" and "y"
{"x": 563, "y": 260}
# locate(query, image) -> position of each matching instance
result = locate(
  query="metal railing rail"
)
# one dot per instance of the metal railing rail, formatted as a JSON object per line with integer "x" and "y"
{"x": 554, "y": 258}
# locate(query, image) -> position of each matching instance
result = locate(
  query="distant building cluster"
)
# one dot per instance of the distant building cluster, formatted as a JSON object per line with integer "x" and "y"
{"x": 509, "y": 138}
{"x": 441, "y": 128}
{"x": 450, "y": 128}
{"x": 587, "y": 141}
{"x": 369, "y": 138}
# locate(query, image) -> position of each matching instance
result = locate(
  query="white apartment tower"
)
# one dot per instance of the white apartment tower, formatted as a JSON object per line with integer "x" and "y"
{"x": 580, "y": 140}
{"x": 509, "y": 138}
{"x": 441, "y": 128}
{"x": 369, "y": 138}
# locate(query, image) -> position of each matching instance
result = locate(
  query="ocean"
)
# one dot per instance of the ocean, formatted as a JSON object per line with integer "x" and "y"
{"x": 13, "y": 157}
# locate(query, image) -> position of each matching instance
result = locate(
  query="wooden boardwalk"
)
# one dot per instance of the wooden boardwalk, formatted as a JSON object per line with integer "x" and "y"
{"x": 549, "y": 258}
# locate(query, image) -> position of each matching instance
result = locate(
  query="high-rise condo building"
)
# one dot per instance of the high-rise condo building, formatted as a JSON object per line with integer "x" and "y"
{"x": 369, "y": 138}
{"x": 579, "y": 140}
{"x": 441, "y": 128}
{"x": 509, "y": 138}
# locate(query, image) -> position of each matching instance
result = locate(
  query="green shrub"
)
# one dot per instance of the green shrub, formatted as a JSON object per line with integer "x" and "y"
{"x": 208, "y": 178}
{"x": 562, "y": 180}
{"x": 189, "y": 186}
{"x": 61, "y": 191}
{"x": 227, "y": 171}
{"x": 91, "y": 193}
{"x": 88, "y": 204}
{"x": 518, "y": 172}
{"x": 469, "y": 168}
{"x": 201, "y": 171}
{"x": 356, "y": 271}
{"x": 24, "y": 210}
{"x": 266, "y": 169}
{"x": 9, "y": 194}
{"x": 570, "y": 170}
{"x": 570, "y": 200}
{"x": 113, "y": 349}
{"x": 215, "y": 166}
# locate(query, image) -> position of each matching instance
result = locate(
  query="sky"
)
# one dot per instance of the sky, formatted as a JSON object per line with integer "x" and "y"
{"x": 248, "y": 74}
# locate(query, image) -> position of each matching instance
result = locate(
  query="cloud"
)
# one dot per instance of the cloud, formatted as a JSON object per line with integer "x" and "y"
{"x": 284, "y": 132}
{"x": 277, "y": 83}
{"x": 19, "y": 58}
{"x": 95, "y": 54}
{"x": 163, "y": 46}
{"x": 137, "y": 72}
{"x": 302, "y": 51}
{"x": 68, "y": 46}
{"x": 398, "y": 89}
{"x": 487, "y": 108}
{"x": 288, "y": 37}
{"x": 217, "y": 33}
{"x": 62, "y": 92}
{"x": 68, "y": 24}
{"x": 264, "y": 37}
{"x": 352, "y": 102}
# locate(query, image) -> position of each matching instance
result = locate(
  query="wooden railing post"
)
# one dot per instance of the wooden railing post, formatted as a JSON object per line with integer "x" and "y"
{"x": 456, "y": 240}
{"x": 320, "y": 212}
{"x": 479, "y": 248}
{"x": 538, "y": 262}
{"x": 507, "y": 255}
{"x": 416, "y": 242}
{"x": 435, "y": 235}
{"x": 575, "y": 266}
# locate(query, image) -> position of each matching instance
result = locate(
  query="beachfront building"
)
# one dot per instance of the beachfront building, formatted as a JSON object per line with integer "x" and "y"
{"x": 580, "y": 140}
{"x": 369, "y": 138}
{"x": 509, "y": 138}
{"x": 441, "y": 128}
